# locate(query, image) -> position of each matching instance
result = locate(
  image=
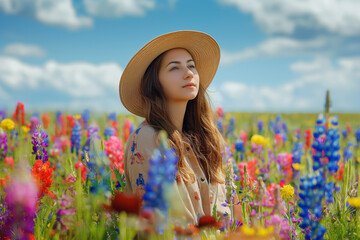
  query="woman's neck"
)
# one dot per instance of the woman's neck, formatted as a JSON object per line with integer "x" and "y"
{"x": 176, "y": 113}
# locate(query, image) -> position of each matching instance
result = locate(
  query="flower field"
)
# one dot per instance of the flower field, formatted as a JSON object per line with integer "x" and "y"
{"x": 62, "y": 177}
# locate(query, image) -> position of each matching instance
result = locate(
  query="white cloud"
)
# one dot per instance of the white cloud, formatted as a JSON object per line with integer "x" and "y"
{"x": 118, "y": 8}
{"x": 52, "y": 12}
{"x": 77, "y": 80}
{"x": 306, "y": 93}
{"x": 278, "y": 16}
{"x": 24, "y": 50}
{"x": 275, "y": 47}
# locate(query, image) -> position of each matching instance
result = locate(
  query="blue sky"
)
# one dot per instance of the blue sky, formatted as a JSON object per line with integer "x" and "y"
{"x": 276, "y": 56}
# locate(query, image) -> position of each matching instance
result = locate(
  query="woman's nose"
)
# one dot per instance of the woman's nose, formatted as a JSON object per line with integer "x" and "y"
{"x": 188, "y": 74}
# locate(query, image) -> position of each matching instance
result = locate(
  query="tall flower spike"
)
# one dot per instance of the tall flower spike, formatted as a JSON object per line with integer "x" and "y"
{"x": 40, "y": 143}
{"x": 76, "y": 138}
{"x": 160, "y": 176}
{"x": 3, "y": 144}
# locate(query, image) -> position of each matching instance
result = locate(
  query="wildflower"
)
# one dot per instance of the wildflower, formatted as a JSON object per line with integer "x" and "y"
{"x": 108, "y": 132}
{"x": 76, "y": 138}
{"x": 20, "y": 199}
{"x": 19, "y": 113}
{"x": 34, "y": 123}
{"x": 298, "y": 166}
{"x": 287, "y": 191}
{"x": 42, "y": 173}
{"x": 25, "y": 129}
{"x": 263, "y": 232}
{"x": 3, "y": 144}
{"x": 248, "y": 231}
{"x": 220, "y": 126}
{"x": 231, "y": 127}
{"x": 160, "y": 176}
{"x": 85, "y": 116}
{"x": 83, "y": 170}
{"x": 220, "y": 112}
{"x": 40, "y": 143}
{"x": 7, "y": 124}
{"x": 257, "y": 139}
{"x": 125, "y": 202}
{"x": 9, "y": 161}
{"x": 128, "y": 128}
{"x": 208, "y": 221}
{"x": 354, "y": 202}
{"x": 2, "y": 114}
{"x": 115, "y": 153}
{"x": 260, "y": 126}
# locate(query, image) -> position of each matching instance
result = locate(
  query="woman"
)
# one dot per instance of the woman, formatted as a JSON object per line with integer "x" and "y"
{"x": 165, "y": 82}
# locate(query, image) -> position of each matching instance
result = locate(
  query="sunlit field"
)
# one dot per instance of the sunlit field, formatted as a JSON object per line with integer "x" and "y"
{"x": 62, "y": 177}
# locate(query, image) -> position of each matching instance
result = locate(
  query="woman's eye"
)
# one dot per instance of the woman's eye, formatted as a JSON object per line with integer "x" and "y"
{"x": 191, "y": 66}
{"x": 173, "y": 68}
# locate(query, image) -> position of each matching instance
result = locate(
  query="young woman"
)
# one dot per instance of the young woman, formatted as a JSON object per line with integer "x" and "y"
{"x": 165, "y": 82}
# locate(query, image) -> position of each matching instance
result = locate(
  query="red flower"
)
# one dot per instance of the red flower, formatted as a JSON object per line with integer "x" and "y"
{"x": 46, "y": 120}
{"x": 209, "y": 221}
{"x": 19, "y": 112}
{"x": 340, "y": 172}
{"x": 83, "y": 170}
{"x": 42, "y": 174}
{"x": 308, "y": 138}
{"x": 125, "y": 202}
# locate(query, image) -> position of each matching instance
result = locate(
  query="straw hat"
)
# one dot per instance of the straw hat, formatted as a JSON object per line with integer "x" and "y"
{"x": 202, "y": 47}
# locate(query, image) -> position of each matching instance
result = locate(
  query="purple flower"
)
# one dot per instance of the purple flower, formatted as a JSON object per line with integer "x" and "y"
{"x": 20, "y": 200}
{"x": 40, "y": 143}
{"x": 3, "y": 145}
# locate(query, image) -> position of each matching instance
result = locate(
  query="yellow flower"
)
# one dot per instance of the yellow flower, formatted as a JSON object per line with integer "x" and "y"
{"x": 287, "y": 191}
{"x": 7, "y": 124}
{"x": 25, "y": 129}
{"x": 298, "y": 166}
{"x": 354, "y": 202}
{"x": 77, "y": 116}
{"x": 248, "y": 231}
{"x": 258, "y": 139}
{"x": 263, "y": 232}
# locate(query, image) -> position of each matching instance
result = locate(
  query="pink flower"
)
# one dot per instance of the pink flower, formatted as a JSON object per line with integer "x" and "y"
{"x": 9, "y": 161}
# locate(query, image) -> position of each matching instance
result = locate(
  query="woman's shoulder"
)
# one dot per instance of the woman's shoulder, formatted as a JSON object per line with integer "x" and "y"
{"x": 144, "y": 133}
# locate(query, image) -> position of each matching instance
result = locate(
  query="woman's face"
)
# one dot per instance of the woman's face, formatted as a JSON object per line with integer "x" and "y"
{"x": 178, "y": 76}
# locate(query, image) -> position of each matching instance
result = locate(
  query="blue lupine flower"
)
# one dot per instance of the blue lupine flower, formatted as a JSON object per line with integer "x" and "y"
{"x": 220, "y": 126}
{"x": 92, "y": 134}
{"x": 163, "y": 167}
{"x": 312, "y": 192}
{"x": 76, "y": 138}
{"x": 239, "y": 147}
{"x": 231, "y": 127}
{"x": 85, "y": 116}
{"x": 58, "y": 115}
{"x": 347, "y": 153}
{"x": 112, "y": 117}
{"x": 2, "y": 115}
{"x": 357, "y": 136}
{"x": 108, "y": 132}
{"x": 345, "y": 133}
{"x": 260, "y": 125}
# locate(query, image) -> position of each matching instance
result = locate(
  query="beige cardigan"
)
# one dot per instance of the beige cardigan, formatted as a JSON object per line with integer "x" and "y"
{"x": 188, "y": 201}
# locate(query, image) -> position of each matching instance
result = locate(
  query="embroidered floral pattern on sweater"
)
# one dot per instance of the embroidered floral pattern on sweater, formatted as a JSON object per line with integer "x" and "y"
{"x": 136, "y": 157}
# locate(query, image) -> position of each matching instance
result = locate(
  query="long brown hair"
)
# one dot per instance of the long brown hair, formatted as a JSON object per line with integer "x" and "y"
{"x": 198, "y": 126}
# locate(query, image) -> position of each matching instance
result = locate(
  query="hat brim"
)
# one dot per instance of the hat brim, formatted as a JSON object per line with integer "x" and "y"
{"x": 202, "y": 47}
